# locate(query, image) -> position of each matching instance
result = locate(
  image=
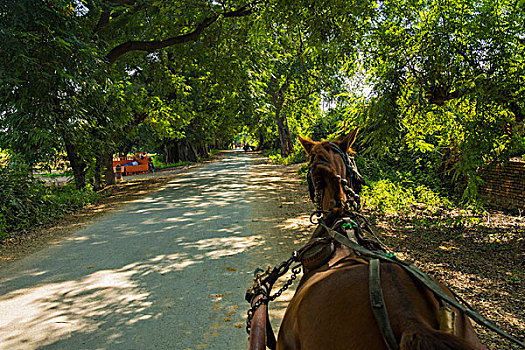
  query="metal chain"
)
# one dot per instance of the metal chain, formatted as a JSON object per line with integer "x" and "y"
{"x": 353, "y": 201}
{"x": 257, "y": 285}
{"x": 257, "y": 281}
{"x": 295, "y": 271}
{"x": 251, "y": 312}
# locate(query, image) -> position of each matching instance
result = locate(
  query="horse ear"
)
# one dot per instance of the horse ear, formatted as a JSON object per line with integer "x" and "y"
{"x": 348, "y": 141}
{"x": 307, "y": 144}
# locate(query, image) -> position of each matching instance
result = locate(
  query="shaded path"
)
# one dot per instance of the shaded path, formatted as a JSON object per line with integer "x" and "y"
{"x": 166, "y": 271}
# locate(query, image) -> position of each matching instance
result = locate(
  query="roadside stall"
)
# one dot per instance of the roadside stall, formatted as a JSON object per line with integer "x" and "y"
{"x": 140, "y": 163}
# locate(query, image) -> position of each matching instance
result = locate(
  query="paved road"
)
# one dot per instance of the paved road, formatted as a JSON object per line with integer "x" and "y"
{"x": 168, "y": 271}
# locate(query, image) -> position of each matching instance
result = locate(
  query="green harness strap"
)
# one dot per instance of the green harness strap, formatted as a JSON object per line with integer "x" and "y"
{"x": 423, "y": 278}
{"x": 378, "y": 305}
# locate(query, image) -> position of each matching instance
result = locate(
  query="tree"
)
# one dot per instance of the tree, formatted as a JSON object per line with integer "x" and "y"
{"x": 46, "y": 82}
{"x": 446, "y": 78}
{"x": 53, "y": 65}
{"x": 82, "y": 77}
{"x": 291, "y": 76}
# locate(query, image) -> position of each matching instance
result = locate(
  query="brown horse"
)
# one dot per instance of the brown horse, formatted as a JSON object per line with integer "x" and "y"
{"x": 331, "y": 308}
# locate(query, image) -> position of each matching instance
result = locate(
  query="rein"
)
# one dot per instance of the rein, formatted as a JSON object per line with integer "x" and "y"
{"x": 259, "y": 294}
{"x": 419, "y": 275}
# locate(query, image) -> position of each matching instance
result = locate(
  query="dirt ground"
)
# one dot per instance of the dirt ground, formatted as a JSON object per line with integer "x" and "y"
{"x": 484, "y": 261}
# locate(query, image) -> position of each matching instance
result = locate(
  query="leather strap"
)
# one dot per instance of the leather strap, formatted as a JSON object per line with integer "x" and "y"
{"x": 271, "y": 342}
{"x": 378, "y": 305}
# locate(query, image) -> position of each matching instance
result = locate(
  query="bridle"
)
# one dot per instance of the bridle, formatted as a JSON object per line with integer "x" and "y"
{"x": 351, "y": 185}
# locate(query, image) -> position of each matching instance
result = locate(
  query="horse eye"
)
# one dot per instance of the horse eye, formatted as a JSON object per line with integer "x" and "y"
{"x": 317, "y": 179}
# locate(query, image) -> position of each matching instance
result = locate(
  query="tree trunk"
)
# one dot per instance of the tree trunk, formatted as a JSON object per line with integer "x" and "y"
{"x": 77, "y": 164}
{"x": 98, "y": 170}
{"x": 180, "y": 151}
{"x": 107, "y": 167}
{"x": 206, "y": 151}
{"x": 285, "y": 137}
{"x": 191, "y": 154}
{"x": 260, "y": 134}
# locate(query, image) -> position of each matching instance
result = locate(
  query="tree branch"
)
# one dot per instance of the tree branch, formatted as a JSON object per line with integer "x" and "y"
{"x": 153, "y": 45}
{"x": 102, "y": 21}
{"x": 107, "y": 14}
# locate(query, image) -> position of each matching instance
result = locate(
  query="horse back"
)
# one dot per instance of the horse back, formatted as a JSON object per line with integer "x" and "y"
{"x": 331, "y": 310}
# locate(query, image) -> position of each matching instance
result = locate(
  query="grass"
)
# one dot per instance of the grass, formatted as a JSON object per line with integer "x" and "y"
{"x": 297, "y": 156}
{"x": 159, "y": 164}
{"x": 171, "y": 165}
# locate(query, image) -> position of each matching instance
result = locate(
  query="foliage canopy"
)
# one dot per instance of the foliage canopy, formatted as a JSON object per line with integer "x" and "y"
{"x": 439, "y": 82}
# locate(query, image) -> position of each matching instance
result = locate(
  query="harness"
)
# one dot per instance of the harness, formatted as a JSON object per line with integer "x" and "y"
{"x": 264, "y": 282}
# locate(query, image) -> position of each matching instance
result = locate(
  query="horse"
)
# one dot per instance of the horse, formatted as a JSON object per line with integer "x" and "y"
{"x": 333, "y": 307}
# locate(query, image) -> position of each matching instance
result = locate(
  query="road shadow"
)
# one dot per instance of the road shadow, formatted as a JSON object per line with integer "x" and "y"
{"x": 166, "y": 271}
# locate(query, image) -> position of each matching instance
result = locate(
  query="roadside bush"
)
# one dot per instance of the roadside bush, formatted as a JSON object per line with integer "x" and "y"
{"x": 159, "y": 164}
{"x": 390, "y": 192}
{"x": 391, "y": 197}
{"x": 298, "y": 156}
{"x": 395, "y": 188}
{"x": 26, "y": 202}
{"x": 406, "y": 185}
{"x": 415, "y": 195}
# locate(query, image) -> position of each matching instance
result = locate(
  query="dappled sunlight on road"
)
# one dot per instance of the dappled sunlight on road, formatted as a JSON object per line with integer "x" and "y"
{"x": 225, "y": 246}
{"x": 297, "y": 222}
{"x": 166, "y": 271}
{"x": 40, "y": 315}
{"x": 117, "y": 298}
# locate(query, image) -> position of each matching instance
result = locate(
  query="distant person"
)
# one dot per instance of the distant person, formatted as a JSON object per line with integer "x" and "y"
{"x": 131, "y": 163}
{"x": 151, "y": 167}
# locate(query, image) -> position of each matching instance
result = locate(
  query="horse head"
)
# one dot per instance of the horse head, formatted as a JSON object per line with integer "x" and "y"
{"x": 333, "y": 179}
